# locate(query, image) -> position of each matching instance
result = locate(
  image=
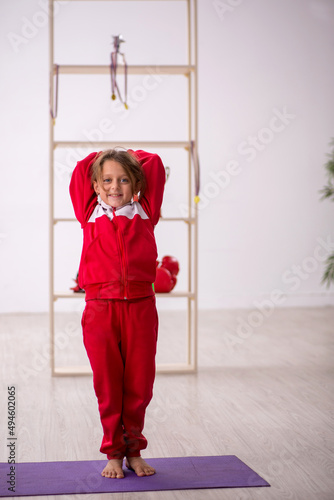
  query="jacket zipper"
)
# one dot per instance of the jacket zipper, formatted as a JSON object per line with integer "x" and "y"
{"x": 121, "y": 247}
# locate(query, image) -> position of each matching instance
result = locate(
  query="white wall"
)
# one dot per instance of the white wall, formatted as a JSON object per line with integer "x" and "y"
{"x": 264, "y": 57}
{"x": 260, "y": 229}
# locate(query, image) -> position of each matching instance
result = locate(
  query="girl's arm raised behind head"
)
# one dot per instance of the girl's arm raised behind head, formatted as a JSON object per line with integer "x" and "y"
{"x": 82, "y": 193}
{"x": 155, "y": 182}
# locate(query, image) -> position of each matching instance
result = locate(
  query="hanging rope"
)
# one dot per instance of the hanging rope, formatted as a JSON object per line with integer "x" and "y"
{"x": 113, "y": 71}
{"x": 195, "y": 162}
{"x": 54, "y": 98}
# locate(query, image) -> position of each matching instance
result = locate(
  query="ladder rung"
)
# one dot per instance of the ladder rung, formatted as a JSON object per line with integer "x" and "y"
{"x": 124, "y": 144}
{"x": 143, "y": 69}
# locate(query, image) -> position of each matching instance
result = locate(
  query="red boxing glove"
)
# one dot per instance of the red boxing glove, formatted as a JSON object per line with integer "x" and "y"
{"x": 163, "y": 281}
{"x": 171, "y": 263}
{"x": 174, "y": 280}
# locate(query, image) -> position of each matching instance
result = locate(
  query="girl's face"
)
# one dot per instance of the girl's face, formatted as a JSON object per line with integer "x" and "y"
{"x": 115, "y": 186}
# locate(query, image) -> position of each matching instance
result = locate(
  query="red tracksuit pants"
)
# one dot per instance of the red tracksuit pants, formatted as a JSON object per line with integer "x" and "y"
{"x": 120, "y": 339}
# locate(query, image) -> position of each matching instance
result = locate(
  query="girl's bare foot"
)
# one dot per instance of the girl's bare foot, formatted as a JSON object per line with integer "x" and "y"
{"x": 139, "y": 465}
{"x": 113, "y": 469}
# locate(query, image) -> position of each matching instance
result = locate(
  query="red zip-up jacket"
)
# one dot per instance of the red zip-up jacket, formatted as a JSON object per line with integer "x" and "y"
{"x": 119, "y": 253}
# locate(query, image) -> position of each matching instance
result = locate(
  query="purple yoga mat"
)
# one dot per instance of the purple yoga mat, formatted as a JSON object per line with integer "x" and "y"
{"x": 58, "y": 478}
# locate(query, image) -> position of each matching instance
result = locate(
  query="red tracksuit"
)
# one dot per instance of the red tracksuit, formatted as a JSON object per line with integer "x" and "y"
{"x": 120, "y": 321}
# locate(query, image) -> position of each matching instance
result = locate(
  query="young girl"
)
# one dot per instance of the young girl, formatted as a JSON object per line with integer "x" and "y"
{"x": 117, "y": 270}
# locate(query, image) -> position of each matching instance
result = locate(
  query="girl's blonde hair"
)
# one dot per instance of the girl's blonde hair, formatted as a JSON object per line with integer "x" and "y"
{"x": 130, "y": 164}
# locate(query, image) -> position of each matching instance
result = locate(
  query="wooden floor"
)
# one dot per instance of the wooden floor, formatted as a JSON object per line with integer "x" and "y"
{"x": 264, "y": 393}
